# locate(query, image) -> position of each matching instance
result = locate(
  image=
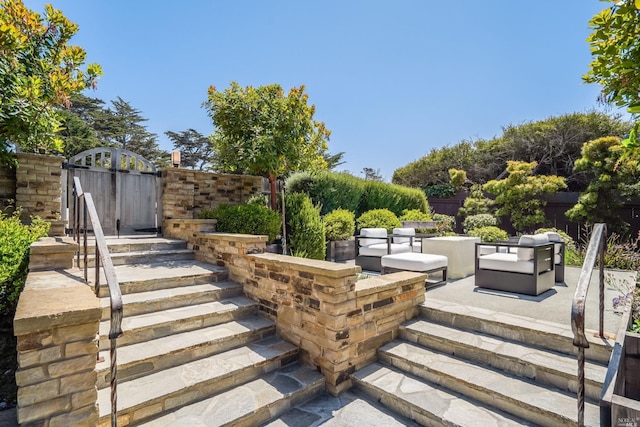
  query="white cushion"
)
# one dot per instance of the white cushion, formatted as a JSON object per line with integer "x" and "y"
{"x": 410, "y": 232}
{"x": 505, "y": 262}
{"x": 380, "y": 249}
{"x": 486, "y": 249}
{"x": 380, "y": 233}
{"x": 553, "y": 236}
{"x": 525, "y": 254}
{"x": 417, "y": 246}
{"x": 413, "y": 261}
{"x": 557, "y": 259}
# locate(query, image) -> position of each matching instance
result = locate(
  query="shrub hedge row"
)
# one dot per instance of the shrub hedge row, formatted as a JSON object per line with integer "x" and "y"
{"x": 331, "y": 190}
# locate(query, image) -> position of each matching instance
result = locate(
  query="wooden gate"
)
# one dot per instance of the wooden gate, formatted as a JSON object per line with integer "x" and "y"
{"x": 125, "y": 188}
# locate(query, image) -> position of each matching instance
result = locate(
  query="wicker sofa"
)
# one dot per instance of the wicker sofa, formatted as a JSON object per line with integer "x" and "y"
{"x": 527, "y": 267}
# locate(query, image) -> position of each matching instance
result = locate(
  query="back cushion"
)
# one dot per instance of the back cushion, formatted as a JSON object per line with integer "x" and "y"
{"x": 403, "y": 232}
{"x": 525, "y": 254}
{"x": 380, "y": 233}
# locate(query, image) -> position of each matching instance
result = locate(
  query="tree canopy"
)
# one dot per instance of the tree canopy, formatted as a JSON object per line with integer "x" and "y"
{"x": 195, "y": 148}
{"x": 615, "y": 48}
{"x": 554, "y": 144}
{"x": 39, "y": 71}
{"x": 263, "y": 132}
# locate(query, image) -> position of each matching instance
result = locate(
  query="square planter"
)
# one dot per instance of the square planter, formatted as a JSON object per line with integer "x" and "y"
{"x": 341, "y": 250}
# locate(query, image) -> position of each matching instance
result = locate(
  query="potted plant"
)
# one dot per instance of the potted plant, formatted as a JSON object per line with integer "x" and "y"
{"x": 340, "y": 228}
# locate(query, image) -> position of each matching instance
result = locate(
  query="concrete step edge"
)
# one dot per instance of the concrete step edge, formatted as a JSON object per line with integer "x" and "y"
{"x": 542, "y": 365}
{"x": 192, "y": 381}
{"x": 168, "y": 298}
{"x": 427, "y": 403}
{"x": 137, "y": 360}
{"x": 540, "y": 333}
{"x": 148, "y": 326}
{"x": 253, "y": 403}
{"x": 544, "y": 405}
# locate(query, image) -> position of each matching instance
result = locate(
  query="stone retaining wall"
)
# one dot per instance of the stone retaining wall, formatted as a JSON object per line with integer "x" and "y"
{"x": 38, "y": 185}
{"x": 337, "y": 321}
{"x": 7, "y": 187}
{"x": 186, "y": 192}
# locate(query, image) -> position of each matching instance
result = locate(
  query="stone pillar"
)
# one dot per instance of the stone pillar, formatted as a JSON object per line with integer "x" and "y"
{"x": 39, "y": 188}
{"x": 56, "y": 325}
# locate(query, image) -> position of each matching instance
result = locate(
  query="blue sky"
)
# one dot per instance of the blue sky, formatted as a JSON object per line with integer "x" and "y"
{"x": 390, "y": 79}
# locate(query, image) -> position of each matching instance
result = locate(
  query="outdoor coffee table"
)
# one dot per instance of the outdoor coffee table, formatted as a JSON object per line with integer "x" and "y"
{"x": 459, "y": 250}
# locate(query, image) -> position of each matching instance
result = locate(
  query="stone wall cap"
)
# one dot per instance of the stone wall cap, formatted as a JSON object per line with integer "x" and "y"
{"x": 46, "y": 307}
{"x": 245, "y": 238}
{"x": 315, "y": 266}
{"x": 192, "y": 221}
{"x": 46, "y": 245}
{"x": 383, "y": 282}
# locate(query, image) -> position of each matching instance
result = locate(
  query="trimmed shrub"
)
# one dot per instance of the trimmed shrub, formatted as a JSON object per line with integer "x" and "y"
{"x": 489, "y": 234}
{"x": 339, "y": 224}
{"x": 15, "y": 240}
{"x": 245, "y": 219}
{"x": 444, "y": 223}
{"x": 378, "y": 218}
{"x": 478, "y": 221}
{"x": 396, "y": 198}
{"x": 417, "y": 215}
{"x": 305, "y": 229}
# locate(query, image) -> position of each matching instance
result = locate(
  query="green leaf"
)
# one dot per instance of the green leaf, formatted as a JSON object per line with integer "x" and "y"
{"x": 634, "y": 109}
{"x": 637, "y": 3}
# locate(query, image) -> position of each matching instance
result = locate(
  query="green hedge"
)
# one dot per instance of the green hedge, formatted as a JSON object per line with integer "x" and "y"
{"x": 331, "y": 191}
{"x": 305, "y": 229}
{"x": 378, "y": 218}
{"x": 245, "y": 219}
{"x": 339, "y": 224}
{"x": 15, "y": 240}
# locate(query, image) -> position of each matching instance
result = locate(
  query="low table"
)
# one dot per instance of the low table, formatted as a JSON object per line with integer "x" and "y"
{"x": 415, "y": 261}
{"x": 459, "y": 250}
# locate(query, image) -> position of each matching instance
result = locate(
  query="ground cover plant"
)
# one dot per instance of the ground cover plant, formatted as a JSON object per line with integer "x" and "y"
{"x": 15, "y": 239}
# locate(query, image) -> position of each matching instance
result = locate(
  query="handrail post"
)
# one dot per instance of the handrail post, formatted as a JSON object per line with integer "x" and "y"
{"x": 84, "y": 244}
{"x": 603, "y": 250}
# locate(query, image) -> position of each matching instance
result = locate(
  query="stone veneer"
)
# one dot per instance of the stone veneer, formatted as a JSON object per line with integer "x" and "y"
{"x": 7, "y": 187}
{"x": 186, "y": 192}
{"x": 56, "y": 325}
{"x": 337, "y": 321}
{"x": 38, "y": 185}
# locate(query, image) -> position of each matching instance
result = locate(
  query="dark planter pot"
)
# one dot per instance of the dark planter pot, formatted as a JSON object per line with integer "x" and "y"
{"x": 274, "y": 248}
{"x": 341, "y": 250}
{"x": 620, "y": 403}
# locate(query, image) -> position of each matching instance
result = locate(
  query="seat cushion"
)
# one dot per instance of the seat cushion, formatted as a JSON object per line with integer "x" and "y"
{"x": 380, "y": 249}
{"x": 505, "y": 262}
{"x": 413, "y": 261}
{"x": 525, "y": 254}
{"x": 379, "y": 233}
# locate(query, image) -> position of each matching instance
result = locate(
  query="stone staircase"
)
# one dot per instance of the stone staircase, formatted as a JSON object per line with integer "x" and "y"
{"x": 457, "y": 365}
{"x": 192, "y": 344}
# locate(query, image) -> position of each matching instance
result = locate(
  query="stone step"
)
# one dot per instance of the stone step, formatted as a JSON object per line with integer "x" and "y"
{"x": 427, "y": 403}
{"x": 147, "y": 357}
{"x": 170, "y": 389}
{"x": 136, "y": 244}
{"x": 537, "y": 403}
{"x": 153, "y": 276}
{"x": 545, "y": 366}
{"x": 163, "y": 299}
{"x": 535, "y": 332}
{"x": 250, "y": 404}
{"x": 150, "y": 326}
{"x": 349, "y": 409}
{"x": 142, "y": 257}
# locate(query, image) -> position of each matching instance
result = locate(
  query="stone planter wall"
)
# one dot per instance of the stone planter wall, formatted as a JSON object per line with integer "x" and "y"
{"x": 7, "y": 187}
{"x": 186, "y": 192}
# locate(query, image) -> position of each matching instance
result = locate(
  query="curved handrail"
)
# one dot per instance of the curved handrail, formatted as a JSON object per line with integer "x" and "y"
{"x": 596, "y": 249}
{"x": 102, "y": 257}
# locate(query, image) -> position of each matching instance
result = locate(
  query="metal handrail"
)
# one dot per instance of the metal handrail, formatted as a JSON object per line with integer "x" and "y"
{"x": 596, "y": 249}
{"x": 103, "y": 257}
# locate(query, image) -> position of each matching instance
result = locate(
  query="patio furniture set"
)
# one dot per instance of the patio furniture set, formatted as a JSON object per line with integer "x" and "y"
{"x": 529, "y": 266}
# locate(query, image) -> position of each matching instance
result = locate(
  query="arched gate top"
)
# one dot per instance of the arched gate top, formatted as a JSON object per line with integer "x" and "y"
{"x": 115, "y": 159}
